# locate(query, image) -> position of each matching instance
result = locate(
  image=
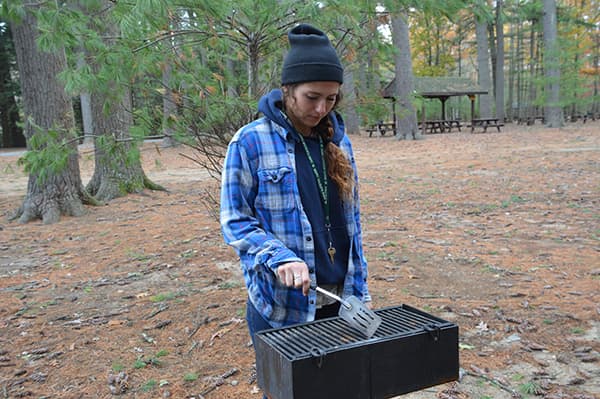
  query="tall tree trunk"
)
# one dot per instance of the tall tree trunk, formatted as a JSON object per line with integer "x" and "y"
{"x": 231, "y": 82}
{"x": 116, "y": 173}
{"x": 253, "y": 61}
{"x": 86, "y": 107}
{"x": 50, "y": 192}
{"x": 350, "y": 106}
{"x": 511, "y": 75}
{"x": 531, "y": 107}
{"x": 483, "y": 68}
{"x": 370, "y": 81}
{"x": 520, "y": 72}
{"x": 86, "y": 117}
{"x": 552, "y": 110}
{"x": 12, "y": 134}
{"x": 169, "y": 107}
{"x": 459, "y": 49}
{"x": 118, "y": 168}
{"x": 573, "y": 111}
{"x": 492, "y": 47}
{"x": 499, "y": 62}
{"x": 596, "y": 97}
{"x": 406, "y": 125}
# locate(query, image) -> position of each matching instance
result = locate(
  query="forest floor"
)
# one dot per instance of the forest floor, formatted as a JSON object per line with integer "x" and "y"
{"x": 496, "y": 232}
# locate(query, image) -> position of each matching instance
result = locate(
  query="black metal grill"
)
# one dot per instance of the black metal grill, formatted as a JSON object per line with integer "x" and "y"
{"x": 329, "y": 359}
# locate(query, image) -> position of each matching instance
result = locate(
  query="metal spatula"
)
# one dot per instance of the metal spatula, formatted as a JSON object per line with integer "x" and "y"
{"x": 356, "y": 313}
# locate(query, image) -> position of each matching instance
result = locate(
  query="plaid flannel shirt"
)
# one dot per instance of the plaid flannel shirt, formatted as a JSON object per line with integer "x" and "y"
{"x": 262, "y": 218}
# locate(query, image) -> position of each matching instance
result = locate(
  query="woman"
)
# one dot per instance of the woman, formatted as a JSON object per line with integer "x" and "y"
{"x": 289, "y": 198}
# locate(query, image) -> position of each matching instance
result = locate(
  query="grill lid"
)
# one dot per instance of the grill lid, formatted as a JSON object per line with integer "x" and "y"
{"x": 322, "y": 336}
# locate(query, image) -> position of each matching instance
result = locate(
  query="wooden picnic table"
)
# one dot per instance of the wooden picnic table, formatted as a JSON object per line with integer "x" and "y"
{"x": 382, "y": 128}
{"x": 441, "y": 125}
{"x": 485, "y": 123}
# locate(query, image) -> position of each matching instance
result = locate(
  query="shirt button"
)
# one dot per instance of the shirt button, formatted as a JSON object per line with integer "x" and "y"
{"x": 290, "y": 150}
{"x": 309, "y": 239}
{"x": 312, "y": 302}
{"x": 311, "y": 270}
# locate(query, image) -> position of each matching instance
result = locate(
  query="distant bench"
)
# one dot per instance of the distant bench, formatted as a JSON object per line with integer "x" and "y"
{"x": 432, "y": 126}
{"x": 382, "y": 128}
{"x": 530, "y": 120}
{"x": 441, "y": 125}
{"x": 485, "y": 123}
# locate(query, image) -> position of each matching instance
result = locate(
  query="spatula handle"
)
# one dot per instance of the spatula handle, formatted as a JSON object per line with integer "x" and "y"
{"x": 332, "y": 295}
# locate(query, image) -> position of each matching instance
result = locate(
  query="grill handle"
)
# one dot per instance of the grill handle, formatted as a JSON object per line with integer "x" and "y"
{"x": 332, "y": 295}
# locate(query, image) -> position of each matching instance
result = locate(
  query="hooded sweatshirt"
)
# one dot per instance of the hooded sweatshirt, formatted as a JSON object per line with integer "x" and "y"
{"x": 328, "y": 272}
{"x": 265, "y": 217}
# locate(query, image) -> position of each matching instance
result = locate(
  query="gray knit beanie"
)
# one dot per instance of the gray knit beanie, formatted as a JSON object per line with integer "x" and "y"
{"x": 311, "y": 57}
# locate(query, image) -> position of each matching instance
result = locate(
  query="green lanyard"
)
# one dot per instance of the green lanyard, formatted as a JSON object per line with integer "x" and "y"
{"x": 323, "y": 184}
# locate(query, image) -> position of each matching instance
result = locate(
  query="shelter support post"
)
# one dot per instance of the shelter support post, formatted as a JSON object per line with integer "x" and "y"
{"x": 443, "y": 99}
{"x": 472, "y": 98}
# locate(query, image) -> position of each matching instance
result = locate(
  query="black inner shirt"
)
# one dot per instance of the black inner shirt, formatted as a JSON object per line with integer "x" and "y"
{"x": 327, "y": 272}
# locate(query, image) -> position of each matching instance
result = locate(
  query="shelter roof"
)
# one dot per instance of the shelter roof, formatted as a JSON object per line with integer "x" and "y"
{"x": 436, "y": 87}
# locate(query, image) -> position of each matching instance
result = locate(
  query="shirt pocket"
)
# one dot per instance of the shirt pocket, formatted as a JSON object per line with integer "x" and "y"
{"x": 275, "y": 189}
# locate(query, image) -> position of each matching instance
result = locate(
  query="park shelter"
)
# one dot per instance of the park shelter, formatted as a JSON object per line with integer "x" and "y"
{"x": 441, "y": 88}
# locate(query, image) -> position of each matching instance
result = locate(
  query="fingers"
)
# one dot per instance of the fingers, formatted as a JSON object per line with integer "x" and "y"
{"x": 295, "y": 274}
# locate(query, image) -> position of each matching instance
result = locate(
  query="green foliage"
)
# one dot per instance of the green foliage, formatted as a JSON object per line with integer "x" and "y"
{"x": 118, "y": 366}
{"x": 161, "y": 353}
{"x": 163, "y": 297}
{"x": 49, "y": 152}
{"x": 198, "y": 54}
{"x": 531, "y": 388}
{"x": 190, "y": 377}
{"x": 372, "y": 109}
{"x": 139, "y": 364}
{"x": 149, "y": 385}
{"x": 12, "y": 11}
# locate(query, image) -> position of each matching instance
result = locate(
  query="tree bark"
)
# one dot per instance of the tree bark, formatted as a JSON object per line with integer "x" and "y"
{"x": 531, "y": 107}
{"x": 596, "y": 104}
{"x": 552, "y": 110}
{"x": 349, "y": 104}
{"x": 253, "y": 64}
{"x": 86, "y": 106}
{"x": 499, "y": 93}
{"x": 50, "y": 193}
{"x": 12, "y": 134}
{"x": 483, "y": 67}
{"x": 521, "y": 96}
{"x": 492, "y": 49}
{"x": 511, "y": 75}
{"x": 169, "y": 107}
{"x": 406, "y": 125}
{"x": 117, "y": 168}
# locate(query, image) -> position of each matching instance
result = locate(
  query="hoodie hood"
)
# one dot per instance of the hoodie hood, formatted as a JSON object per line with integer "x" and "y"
{"x": 271, "y": 106}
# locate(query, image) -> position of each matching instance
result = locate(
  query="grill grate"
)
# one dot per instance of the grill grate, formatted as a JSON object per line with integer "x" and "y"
{"x": 326, "y": 335}
{"x": 328, "y": 358}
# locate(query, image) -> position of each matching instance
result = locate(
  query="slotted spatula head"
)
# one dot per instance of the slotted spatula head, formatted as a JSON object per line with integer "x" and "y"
{"x": 359, "y": 316}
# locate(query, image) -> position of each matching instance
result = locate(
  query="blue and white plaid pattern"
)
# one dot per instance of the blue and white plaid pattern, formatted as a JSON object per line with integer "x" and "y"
{"x": 263, "y": 220}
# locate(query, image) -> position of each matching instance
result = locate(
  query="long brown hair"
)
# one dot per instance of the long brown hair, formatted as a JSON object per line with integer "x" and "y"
{"x": 339, "y": 167}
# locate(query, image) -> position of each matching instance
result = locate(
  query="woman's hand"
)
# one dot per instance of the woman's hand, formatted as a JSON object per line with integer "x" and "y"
{"x": 294, "y": 274}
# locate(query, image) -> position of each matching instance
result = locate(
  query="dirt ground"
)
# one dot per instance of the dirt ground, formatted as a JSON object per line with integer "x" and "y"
{"x": 496, "y": 232}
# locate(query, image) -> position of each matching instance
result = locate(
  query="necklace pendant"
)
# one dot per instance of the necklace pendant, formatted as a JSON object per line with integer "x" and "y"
{"x": 331, "y": 252}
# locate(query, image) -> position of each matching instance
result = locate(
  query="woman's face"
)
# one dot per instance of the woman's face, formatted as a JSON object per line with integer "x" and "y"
{"x": 307, "y": 103}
